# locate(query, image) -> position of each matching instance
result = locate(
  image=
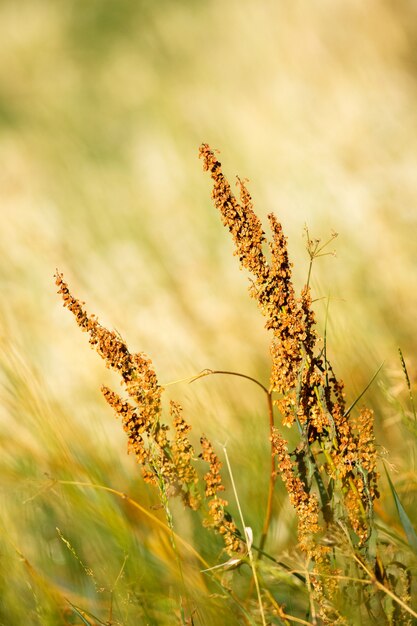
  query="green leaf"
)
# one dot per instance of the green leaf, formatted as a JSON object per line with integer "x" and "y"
{"x": 346, "y": 413}
{"x": 82, "y": 615}
{"x": 405, "y": 520}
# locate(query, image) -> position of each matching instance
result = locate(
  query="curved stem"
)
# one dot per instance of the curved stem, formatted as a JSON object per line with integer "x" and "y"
{"x": 272, "y": 477}
{"x": 248, "y": 540}
{"x": 208, "y": 372}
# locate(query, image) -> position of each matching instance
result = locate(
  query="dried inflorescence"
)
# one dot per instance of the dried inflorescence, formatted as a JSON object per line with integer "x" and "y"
{"x": 330, "y": 477}
{"x": 183, "y": 473}
{"x": 133, "y": 424}
{"x": 160, "y": 457}
{"x": 272, "y": 286}
{"x": 165, "y": 460}
{"x": 305, "y": 504}
{"x": 135, "y": 369}
{"x": 306, "y": 390}
{"x": 361, "y": 484}
{"x": 218, "y": 518}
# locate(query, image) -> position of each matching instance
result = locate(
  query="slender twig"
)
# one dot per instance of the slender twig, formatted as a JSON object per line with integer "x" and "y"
{"x": 248, "y": 541}
{"x": 310, "y": 597}
{"x": 373, "y": 580}
{"x": 118, "y": 577}
{"x": 354, "y": 403}
{"x": 310, "y": 266}
{"x": 272, "y": 480}
{"x": 272, "y": 477}
{"x": 283, "y": 615}
{"x": 315, "y": 250}
{"x": 325, "y": 342}
{"x": 208, "y": 372}
{"x": 172, "y": 537}
{"x": 297, "y": 620}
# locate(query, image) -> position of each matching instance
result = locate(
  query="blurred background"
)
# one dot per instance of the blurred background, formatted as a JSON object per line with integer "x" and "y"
{"x": 103, "y": 106}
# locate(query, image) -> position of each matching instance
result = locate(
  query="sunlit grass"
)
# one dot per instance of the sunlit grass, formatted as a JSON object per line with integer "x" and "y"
{"x": 101, "y": 109}
{"x": 342, "y": 551}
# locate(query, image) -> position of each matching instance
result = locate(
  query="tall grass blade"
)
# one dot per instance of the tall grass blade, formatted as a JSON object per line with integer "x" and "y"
{"x": 355, "y": 402}
{"x": 82, "y": 615}
{"x": 407, "y": 378}
{"x": 248, "y": 538}
{"x": 405, "y": 520}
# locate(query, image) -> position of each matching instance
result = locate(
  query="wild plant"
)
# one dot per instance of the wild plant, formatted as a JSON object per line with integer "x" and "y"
{"x": 340, "y": 562}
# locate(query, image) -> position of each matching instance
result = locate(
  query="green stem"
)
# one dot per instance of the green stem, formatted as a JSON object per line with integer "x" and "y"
{"x": 208, "y": 372}
{"x": 309, "y": 272}
{"x": 272, "y": 477}
{"x": 247, "y": 539}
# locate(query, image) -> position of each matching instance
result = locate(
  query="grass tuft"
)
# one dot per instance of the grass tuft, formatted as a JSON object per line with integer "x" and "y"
{"x": 346, "y": 564}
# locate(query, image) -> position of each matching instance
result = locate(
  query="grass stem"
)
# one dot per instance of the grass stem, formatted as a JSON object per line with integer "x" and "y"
{"x": 248, "y": 542}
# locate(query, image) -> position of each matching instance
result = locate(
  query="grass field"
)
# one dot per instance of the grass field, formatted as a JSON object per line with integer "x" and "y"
{"x": 103, "y": 106}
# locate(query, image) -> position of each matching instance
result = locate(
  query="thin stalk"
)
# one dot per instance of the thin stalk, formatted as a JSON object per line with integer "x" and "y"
{"x": 309, "y": 272}
{"x": 315, "y": 250}
{"x": 296, "y": 620}
{"x": 208, "y": 372}
{"x": 284, "y": 566}
{"x": 172, "y": 535}
{"x": 272, "y": 477}
{"x": 374, "y": 581}
{"x": 354, "y": 403}
{"x": 118, "y": 577}
{"x": 325, "y": 342}
{"x": 283, "y": 615}
{"x": 311, "y": 599}
{"x": 248, "y": 542}
{"x": 163, "y": 527}
{"x": 407, "y": 378}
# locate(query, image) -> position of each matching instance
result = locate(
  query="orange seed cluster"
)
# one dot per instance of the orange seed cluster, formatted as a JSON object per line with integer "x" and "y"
{"x": 307, "y": 390}
{"x": 160, "y": 458}
{"x": 217, "y": 517}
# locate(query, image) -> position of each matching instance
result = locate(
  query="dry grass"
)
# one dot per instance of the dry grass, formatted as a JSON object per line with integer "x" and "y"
{"x": 102, "y": 105}
{"x": 349, "y": 572}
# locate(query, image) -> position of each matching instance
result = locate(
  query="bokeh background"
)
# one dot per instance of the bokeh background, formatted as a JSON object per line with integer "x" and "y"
{"x": 103, "y": 105}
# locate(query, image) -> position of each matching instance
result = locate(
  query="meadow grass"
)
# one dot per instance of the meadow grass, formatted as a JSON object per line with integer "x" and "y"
{"x": 101, "y": 107}
{"x": 195, "y": 540}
